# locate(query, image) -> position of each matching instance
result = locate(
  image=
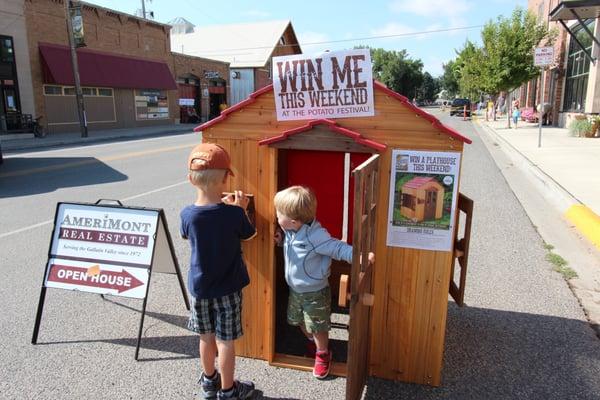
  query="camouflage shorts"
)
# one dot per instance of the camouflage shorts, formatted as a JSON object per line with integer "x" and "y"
{"x": 313, "y": 309}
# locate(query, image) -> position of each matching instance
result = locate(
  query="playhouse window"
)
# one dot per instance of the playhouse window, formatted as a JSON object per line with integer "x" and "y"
{"x": 408, "y": 201}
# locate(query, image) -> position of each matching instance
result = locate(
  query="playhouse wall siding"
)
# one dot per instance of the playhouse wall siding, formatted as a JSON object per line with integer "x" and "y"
{"x": 408, "y": 318}
{"x": 251, "y": 165}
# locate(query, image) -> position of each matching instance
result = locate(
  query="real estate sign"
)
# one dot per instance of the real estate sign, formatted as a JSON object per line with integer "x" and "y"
{"x": 328, "y": 85}
{"x": 101, "y": 249}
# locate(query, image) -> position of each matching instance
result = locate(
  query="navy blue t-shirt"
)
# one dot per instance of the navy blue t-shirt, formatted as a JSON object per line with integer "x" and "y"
{"x": 216, "y": 268}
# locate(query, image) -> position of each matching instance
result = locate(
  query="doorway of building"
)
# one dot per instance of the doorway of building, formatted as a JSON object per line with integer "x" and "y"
{"x": 10, "y": 105}
{"x": 217, "y": 97}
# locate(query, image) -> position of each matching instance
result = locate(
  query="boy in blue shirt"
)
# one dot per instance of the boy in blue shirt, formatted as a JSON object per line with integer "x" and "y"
{"x": 215, "y": 227}
{"x": 308, "y": 249}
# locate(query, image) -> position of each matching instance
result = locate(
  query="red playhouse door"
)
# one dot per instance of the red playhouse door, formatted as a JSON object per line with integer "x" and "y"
{"x": 324, "y": 172}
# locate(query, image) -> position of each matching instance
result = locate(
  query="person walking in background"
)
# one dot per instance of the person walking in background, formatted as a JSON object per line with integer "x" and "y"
{"x": 516, "y": 114}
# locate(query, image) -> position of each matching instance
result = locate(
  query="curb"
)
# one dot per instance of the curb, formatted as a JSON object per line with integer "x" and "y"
{"x": 586, "y": 222}
{"x": 573, "y": 210}
{"x": 45, "y": 143}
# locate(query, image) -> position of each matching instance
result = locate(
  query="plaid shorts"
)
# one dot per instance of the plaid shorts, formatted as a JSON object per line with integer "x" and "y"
{"x": 222, "y": 316}
{"x": 311, "y": 309}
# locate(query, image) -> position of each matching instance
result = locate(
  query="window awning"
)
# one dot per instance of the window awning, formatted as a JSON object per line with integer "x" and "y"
{"x": 104, "y": 69}
{"x": 577, "y": 9}
{"x": 572, "y": 9}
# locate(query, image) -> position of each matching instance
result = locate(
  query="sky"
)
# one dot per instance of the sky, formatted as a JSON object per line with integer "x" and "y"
{"x": 348, "y": 23}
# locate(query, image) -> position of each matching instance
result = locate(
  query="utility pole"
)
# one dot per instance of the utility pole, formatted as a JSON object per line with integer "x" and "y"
{"x": 143, "y": 9}
{"x": 78, "y": 92}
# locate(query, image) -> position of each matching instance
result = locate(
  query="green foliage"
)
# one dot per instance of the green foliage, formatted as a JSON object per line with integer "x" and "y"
{"x": 508, "y": 46}
{"x": 505, "y": 60}
{"x": 397, "y": 71}
{"x": 469, "y": 70}
{"x": 580, "y": 127}
{"x": 556, "y": 259}
{"x": 429, "y": 88}
{"x": 449, "y": 80}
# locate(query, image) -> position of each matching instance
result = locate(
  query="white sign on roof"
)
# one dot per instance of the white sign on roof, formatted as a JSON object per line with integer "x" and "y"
{"x": 329, "y": 85}
{"x": 543, "y": 56}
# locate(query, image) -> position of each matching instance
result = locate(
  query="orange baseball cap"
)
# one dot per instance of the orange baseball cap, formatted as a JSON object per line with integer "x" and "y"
{"x": 209, "y": 156}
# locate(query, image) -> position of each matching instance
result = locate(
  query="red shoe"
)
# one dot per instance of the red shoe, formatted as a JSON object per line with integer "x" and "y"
{"x": 322, "y": 364}
{"x": 311, "y": 349}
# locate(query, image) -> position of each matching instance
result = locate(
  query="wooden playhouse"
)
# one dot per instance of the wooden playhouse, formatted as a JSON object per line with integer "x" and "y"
{"x": 396, "y": 313}
{"x": 420, "y": 199}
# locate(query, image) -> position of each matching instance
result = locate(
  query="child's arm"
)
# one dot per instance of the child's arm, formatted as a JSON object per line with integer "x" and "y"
{"x": 331, "y": 247}
{"x": 182, "y": 227}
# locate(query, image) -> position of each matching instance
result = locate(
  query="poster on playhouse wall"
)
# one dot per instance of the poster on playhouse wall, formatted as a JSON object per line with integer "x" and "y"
{"x": 423, "y": 192}
{"x": 328, "y": 85}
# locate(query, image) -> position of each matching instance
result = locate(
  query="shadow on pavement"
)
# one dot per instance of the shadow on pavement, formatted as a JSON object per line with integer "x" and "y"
{"x": 259, "y": 395}
{"x": 47, "y": 174}
{"x": 494, "y": 354}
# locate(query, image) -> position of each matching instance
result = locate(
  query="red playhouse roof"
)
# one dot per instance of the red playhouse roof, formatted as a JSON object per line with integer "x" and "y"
{"x": 416, "y": 183}
{"x": 378, "y": 85}
{"x": 333, "y": 126}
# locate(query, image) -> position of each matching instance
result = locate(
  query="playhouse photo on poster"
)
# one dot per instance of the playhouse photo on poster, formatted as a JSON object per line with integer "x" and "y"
{"x": 423, "y": 189}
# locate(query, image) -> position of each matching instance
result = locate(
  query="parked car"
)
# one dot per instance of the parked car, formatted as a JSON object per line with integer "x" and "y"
{"x": 458, "y": 105}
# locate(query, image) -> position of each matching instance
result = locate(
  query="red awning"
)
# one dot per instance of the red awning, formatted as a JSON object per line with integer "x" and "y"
{"x": 104, "y": 69}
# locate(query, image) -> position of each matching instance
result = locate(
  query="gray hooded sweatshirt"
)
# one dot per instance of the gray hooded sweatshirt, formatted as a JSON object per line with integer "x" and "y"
{"x": 308, "y": 253}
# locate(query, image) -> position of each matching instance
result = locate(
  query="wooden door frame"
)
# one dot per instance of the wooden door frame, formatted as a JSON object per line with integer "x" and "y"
{"x": 285, "y": 360}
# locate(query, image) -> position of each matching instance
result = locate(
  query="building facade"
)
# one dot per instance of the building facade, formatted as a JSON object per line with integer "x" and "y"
{"x": 247, "y": 47}
{"x": 572, "y": 84}
{"x": 202, "y": 86}
{"x": 125, "y": 68}
{"x": 16, "y": 91}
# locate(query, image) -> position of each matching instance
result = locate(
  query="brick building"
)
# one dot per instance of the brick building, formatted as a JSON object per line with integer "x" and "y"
{"x": 129, "y": 76}
{"x": 16, "y": 92}
{"x": 572, "y": 83}
{"x": 202, "y": 86}
{"x": 247, "y": 47}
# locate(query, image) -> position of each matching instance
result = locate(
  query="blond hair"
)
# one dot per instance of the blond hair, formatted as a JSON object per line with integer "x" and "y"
{"x": 297, "y": 202}
{"x": 207, "y": 177}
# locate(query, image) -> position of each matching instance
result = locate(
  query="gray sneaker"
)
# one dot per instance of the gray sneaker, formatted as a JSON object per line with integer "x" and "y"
{"x": 209, "y": 387}
{"x": 241, "y": 390}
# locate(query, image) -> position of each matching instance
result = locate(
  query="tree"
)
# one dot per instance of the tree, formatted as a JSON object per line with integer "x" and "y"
{"x": 470, "y": 69}
{"x": 508, "y": 46}
{"x": 429, "y": 88}
{"x": 449, "y": 82}
{"x": 505, "y": 61}
{"x": 397, "y": 71}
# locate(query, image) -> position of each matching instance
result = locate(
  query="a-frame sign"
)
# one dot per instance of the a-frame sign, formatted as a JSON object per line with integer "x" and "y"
{"x": 108, "y": 249}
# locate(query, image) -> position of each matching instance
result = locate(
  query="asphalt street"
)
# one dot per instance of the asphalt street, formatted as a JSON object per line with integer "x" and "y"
{"x": 522, "y": 333}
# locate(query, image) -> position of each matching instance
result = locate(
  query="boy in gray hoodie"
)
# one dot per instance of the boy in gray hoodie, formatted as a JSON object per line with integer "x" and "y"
{"x": 308, "y": 249}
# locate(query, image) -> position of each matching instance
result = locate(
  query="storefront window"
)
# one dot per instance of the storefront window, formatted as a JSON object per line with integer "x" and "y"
{"x": 151, "y": 104}
{"x": 6, "y": 50}
{"x": 578, "y": 68}
{"x": 88, "y": 91}
{"x": 53, "y": 90}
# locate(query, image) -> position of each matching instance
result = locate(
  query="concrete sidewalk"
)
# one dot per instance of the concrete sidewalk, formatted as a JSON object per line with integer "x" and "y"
{"x": 19, "y": 142}
{"x": 566, "y": 169}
